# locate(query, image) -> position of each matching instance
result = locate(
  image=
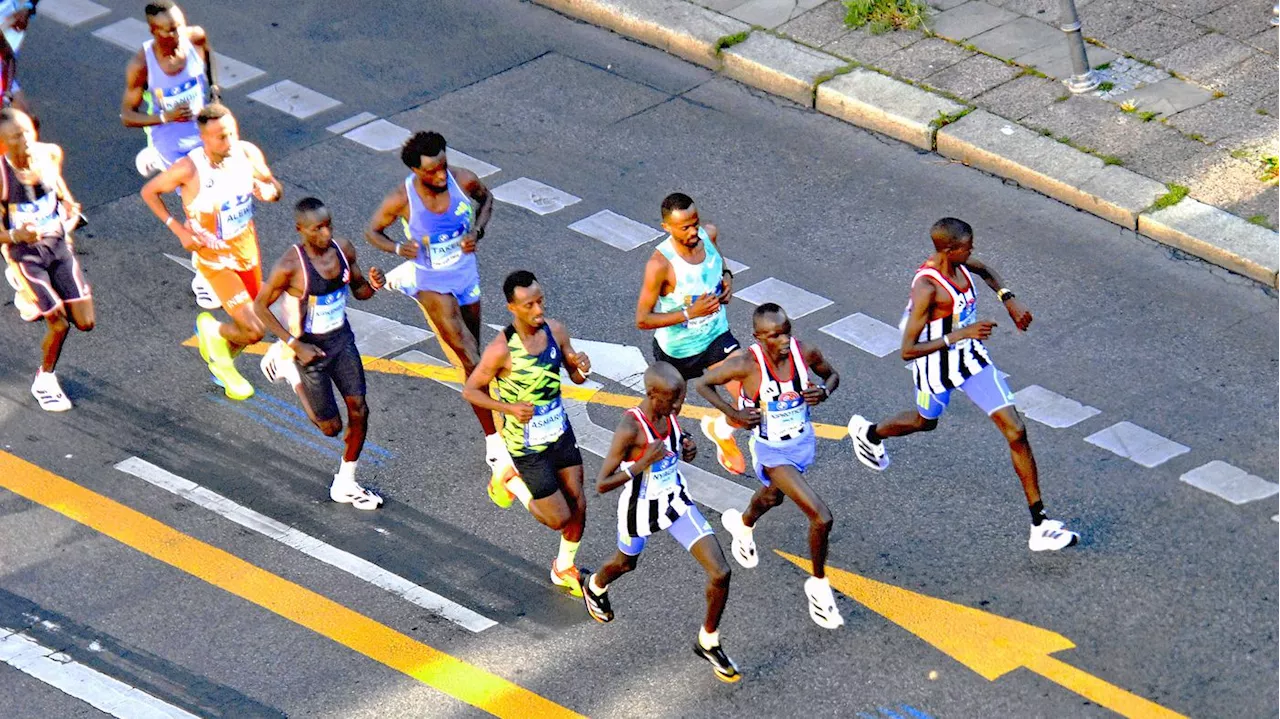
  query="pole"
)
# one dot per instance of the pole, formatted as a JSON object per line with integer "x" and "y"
{"x": 1083, "y": 78}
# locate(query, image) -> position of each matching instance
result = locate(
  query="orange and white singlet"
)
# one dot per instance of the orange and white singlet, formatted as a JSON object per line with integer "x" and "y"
{"x": 222, "y": 208}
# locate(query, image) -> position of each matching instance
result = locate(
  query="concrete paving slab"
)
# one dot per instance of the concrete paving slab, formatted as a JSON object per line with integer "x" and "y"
{"x": 922, "y": 59}
{"x": 1054, "y": 61}
{"x": 1267, "y": 41}
{"x": 1230, "y": 482}
{"x": 1119, "y": 195}
{"x": 1205, "y": 57}
{"x": 1251, "y": 79}
{"x": 1216, "y": 236}
{"x": 973, "y": 76}
{"x": 885, "y": 105}
{"x": 1137, "y": 443}
{"x": 1021, "y": 96}
{"x": 682, "y": 29}
{"x": 821, "y": 26}
{"x": 1104, "y": 20}
{"x": 616, "y": 230}
{"x": 534, "y": 196}
{"x": 968, "y": 20}
{"x": 72, "y": 12}
{"x": 1157, "y": 34}
{"x": 1240, "y": 19}
{"x": 1167, "y": 97}
{"x": 1190, "y": 9}
{"x": 764, "y": 13}
{"x": 1225, "y": 118}
{"x": 861, "y": 46}
{"x": 782, "y": 67}
{"x": 719, "y": 5}
{"x": 1050, "y": 408}
{"x": 293, "y": 99}
{"x": 797, "y": 301}
{"x": 1018, "y": 37}
{"x": 866, "y": 333}
{"x": 944, "y": 4}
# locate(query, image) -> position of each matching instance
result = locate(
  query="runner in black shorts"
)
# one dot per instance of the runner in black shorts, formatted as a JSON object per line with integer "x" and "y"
{"x": 35, "y": 236}
{"x": 694, "y": 366}
{"x": 319, "y": 274}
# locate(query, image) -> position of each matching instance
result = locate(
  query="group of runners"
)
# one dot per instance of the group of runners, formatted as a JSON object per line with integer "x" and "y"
{"x": 770, "y": 389}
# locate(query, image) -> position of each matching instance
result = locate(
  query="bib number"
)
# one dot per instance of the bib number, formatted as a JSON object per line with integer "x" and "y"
{"x": 663, "y": 477}
{"x": 189, "y": 93}
{"x": 445, "y": 251}
{"x": 697, "y": 323}
{"x": 968, "y": 313}
{"x": 785, "y": 416}
{"x": 327, "y": 313}
{"x": 546, "y": 426}
{"x": 234, "y": 216}
{"x": 43, "y": 213}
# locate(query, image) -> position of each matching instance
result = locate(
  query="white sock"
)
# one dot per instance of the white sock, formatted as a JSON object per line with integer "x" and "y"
{"x": 596, "y": 589}
{"x": 708, "y": 640}
{"x": 492, "y": 440}
{"x": 516, "y": 486}
{"x": 568, "y": 552}
{"x": 347, "y": 472}
{"x": 722, "y": 428}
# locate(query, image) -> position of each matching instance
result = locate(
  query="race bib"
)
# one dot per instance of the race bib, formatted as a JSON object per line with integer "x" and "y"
{"x": 327, "y": 313}
{"x": 234, "y": 216}
{"x": 663, "y": 477}
{"x": 785, "y": 416}
{"x": 189, "y": 93}
{"x": 697, "y": 323}
{"x": 546, "y": 426}
{"x": 43, "y": 213}
{"x": 445, "y": 251}
{"x": 968, "y": 313}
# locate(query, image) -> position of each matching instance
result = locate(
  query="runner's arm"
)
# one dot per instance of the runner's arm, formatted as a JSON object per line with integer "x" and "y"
{"x": 392, "y": 208}
{"x": 278, "y": 282}
{"x": 734, "y": 369}
{"x": 1017, "y": 311}
{"x": 8, "y": 68}
{"x": 477, "y": 191}
{"x": 818, "y": 364}
{"x": 655, "y": 275}
{"x": 726, "y": 276}
{"x": 922, "y": 299}
{"x": 476, "y": 389}
{"x": 262, "y": 173}
{"x": 178, "y": 174}
{"x": 135, "y": 87}
{"x": 200, "y": 39}
{"x": 612, "y": 475}
{"x": 362, "y": 288}
{"x": 579, "y": 364}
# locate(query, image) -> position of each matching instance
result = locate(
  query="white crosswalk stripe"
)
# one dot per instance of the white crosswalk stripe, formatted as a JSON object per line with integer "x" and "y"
{"x": 1136, "y": 443}
{"x": 796, "y": 301}
{"x": 616, "y": 230}
{"x": 1230, "y": 482}
{"x": 291, "y": 98}
{"x": 534, "y": 196}
{"x": 866, "y": 333}
{"x": 1050, "y": 408}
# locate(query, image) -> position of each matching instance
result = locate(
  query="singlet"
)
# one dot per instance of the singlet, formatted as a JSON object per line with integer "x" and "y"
{"x": 534, "y": 379}
{"x": 784, "y": 415}
{"x": 36, "y": 204}
{"x": 691, "y": 282}
{"x": 948, "y": 368}
{"x": 653, "y": 501}
{"x": 439, "y": 236}
{"x": 188, "y": 86}
{"x": 223, "y": 207}
{"x": 321, "y": 311}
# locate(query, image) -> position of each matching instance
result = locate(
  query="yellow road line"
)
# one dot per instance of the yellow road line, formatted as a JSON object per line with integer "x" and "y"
{"x": 1100, "y": 692}
{"x": 302, "y": 606}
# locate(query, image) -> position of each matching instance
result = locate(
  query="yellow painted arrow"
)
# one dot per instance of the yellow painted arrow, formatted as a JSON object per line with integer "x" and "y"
{"x": 988, "y": 644}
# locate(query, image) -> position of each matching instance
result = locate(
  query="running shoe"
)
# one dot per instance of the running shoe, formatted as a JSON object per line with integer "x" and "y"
{"x": 822, "y": 603}
{"x": 497, "y": 489}
{"x": 727, "y": 452}
{"x": 27, "y": 308}
{"x": 277, "y": 367}
{"x": 725, "y": 669}
{"x": 348, "y": 492}
{"x": 744, "y": 545}
{"x": 148, "y": 161}
{"x": 216, "y": 353}
{"x": 1051, "y": 536}
{"x": 570, "y": 579}
{"x": 49, "y": 393}
{"x": 203, "y": 291}
{"x": 597, "y": 604}
{"x": 872, "y": 454}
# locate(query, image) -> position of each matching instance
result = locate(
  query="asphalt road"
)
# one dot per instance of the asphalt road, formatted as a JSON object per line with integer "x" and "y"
{"x": 1171, "y": 595}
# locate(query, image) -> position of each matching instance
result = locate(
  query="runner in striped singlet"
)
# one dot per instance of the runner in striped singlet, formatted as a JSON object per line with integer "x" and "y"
{"x": 644, "y": 460}
{"x": 942, "y": 339}
{"x": 777, "y": 392}
{"x": 524, "y": 364}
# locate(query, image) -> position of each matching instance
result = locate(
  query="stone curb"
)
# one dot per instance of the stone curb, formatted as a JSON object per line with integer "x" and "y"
{"x": 902, "y": 111}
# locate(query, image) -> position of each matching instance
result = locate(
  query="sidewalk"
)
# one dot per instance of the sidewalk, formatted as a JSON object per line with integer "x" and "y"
{"x": 1190, "y": 85}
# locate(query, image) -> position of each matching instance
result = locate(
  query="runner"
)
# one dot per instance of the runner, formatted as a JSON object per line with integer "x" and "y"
{"x": 444, "y": 213}
{"x": 173, "y": 75}
{"x": 942, "y": 339}
{"x": 782, "y": 441}
{"x": 525, "y": 361}
{"x": 645, "y": 462}
{"x": 219, "y": 181}
{"x": 14, "y": 17}
{"x": 319, "y": 273}
{"x": 682, "y": 298}
{"x": 39, "y": 215}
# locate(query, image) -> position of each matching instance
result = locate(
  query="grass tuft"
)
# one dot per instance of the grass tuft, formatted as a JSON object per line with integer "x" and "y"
{"x": 729, "y": 41}
{"x": 1176, "y": 194}
{"x": 885, "y": 15}
{"x": 1107, "y": 86}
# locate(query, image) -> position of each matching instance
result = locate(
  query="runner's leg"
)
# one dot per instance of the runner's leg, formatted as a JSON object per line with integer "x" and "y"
{"x": 708, "y": 553}
{"x": 444, "y": 313}
{"x": 789, "y": 480}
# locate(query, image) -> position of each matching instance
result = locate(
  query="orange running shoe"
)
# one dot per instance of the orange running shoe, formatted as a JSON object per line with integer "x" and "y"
{"x": 727, "y": 452}
{"x": 569, "y": 578}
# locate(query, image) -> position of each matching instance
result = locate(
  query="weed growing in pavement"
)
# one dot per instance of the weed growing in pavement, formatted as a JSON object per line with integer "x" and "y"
{"x": 1147, "y": 116}
{"x": 943, "y": 119}
{"x": 1269, "y": 172}
{"x": 1034, "y": 73}
{"x": 1107, "y": 86}
{"x": 730, "y": 40}
{"x": 1103, "y": 66}
{"x": 1261, "y": 111}
{"x": 1260, "y": 221}
{"x": 1128, "y": 106}
{"x": 1111, "y": 160}
{"x": 1240, "y": 154}
{"x": 1062, "y": 98}
{"x": 1176, "y": 194}
{"x": 885, "y": 15}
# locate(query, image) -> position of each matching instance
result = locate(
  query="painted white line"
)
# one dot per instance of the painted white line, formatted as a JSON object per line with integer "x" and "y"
{"x": 305, "y": 543}
{"x": 351, "y": 123}
{"x": 734, "y": 266}
{"x": 796, "y": 301}
{"x": 379, "y": 136}
{"x": 476, "y": 165}
{"x": 377, "y": 336}
{"x": 72, "y": 12}
{"x": 623, "y": 364}
{"x": 1136, "y": 443}
{"x": 866, "y": 333}
{"x": 233, "y": 73}
{"x": 534, "y": 196}
{"x": 94, "y": 688}
{"x": 184, "y": 261}
{"x": 616, "y": 230}
{"x": 291, "y": 98}
{"x": 1230, "y": 483}
{"x": 129, "y": 33}
{"x": 1050, "y": 408}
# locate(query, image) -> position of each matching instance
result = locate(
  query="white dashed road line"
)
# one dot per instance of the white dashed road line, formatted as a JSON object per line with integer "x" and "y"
{"x": 866, "y": 333}
{"x": 616, "y": 230}
{"x": 534, "y": 196}
{"x": 379, "y": 135}
{"x": 72, "y": 12}
{"x": 351, "y": 123}
{"x": 1230, "y": 483}
{"x": 796, "y": 301}
{"x": 293, "y": 99}
{"x": 1136, "y": 443}
{"x": 1050, "y": 408}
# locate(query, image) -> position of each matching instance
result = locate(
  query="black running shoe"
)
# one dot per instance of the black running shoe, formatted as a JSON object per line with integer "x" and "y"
{"x": 597, "y": 605}
{"x": 726, "y": 670}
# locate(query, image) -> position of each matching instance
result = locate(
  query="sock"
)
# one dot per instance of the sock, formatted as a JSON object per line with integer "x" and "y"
{"x": 516, "y": 486}
{"x": 872, "y": 436}
{"x": 492, "y": 439}
{"x": 823, "y": 581}
{"x": 596, "y": 589}
{"x": 708, "y": 640}
{"x": 568, "y": 551}
{"x": 1037, "y": 513}
{"x": 347, "y": 471}
{"x": 722, "y": 428}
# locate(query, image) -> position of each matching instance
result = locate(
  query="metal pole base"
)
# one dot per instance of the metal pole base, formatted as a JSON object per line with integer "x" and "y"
{"x": 1078, "y": 84}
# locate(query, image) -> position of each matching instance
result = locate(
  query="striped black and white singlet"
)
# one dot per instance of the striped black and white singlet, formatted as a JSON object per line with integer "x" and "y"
{"x": 947, "y": 369}
{"x": 653, "y": 501}
{"x": 784, "y": 416}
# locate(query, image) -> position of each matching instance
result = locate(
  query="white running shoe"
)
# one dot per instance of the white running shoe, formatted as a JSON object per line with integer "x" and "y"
{"x": 203, "y": 291}
{"x": 869, "y": 453}
{"x": 277, "y": 367}
{"x": 48, "y": 393}
{"x": 403, "y": 278}
{"x": 348, "y": 492}
{"x": 148, "y": 161}
{"x": 1051, "y": 536}
{"x": 743, "y": 546}
{"x": 27, "y": 309}
{"x": 822, "y": 603}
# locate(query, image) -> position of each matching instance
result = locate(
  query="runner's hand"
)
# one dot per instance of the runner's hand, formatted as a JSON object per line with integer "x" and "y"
{"x": 581, "y": 362}
{"x": 522, "y": 411}
{"x": 181, "y": 113}
{"x": 688, "y": 448}
{"x": 20, "y": 20}
{"x": 726, "y": 293}
{"x": 407, "y": 250}
{"x": 652, "y": 453}
{"x": 744, "y": 418}
{"x": 469, "y": 242}
{"x": 1018, "y": 312}
{"x": 705, "y": 305}
{"x": 25, "y": 235}
{"x": 377, "y": 280}
{"x": 306, "y": 353}
{"x": 814, "y": 395}
{"x": 215, "y": 94}
{"x": 977, "y": 331}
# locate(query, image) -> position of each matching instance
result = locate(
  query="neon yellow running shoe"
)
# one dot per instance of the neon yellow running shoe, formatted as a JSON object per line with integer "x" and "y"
{"x": 236, "y": 386}
{"x": 213, "y": 347}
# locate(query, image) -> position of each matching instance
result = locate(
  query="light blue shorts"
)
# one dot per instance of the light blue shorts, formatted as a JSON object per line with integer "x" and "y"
{"x": 687, "y": 530}
{"x": 987, "y": 389}
{"x": 462, "y": 281}
{"x": 797, "y": 453}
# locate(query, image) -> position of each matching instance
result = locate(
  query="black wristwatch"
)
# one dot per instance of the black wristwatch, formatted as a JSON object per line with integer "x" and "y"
{"x": 479, "y": 233}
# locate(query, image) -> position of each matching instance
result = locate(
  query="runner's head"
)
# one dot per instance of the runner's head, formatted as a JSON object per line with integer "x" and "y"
{"x": 664, "y": 389}
{"x": 772, "y": 329}
{"x": 217, "y": 130}
{"x": 424, "y": 153}
{"x": 314, "y": 223}
{"x": 680, "y": 219}
{"x": 524, "y": 298}
{"x": 166, "y": 22}
{"x": 17, "y": 133}
{"x": 952, "y": 237}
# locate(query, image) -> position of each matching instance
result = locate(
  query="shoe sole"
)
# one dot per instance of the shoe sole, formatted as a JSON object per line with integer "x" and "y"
{"x": 721, "y": 454}
{"x": 1075, "y": 539}
{"x": 726, "y": 678}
